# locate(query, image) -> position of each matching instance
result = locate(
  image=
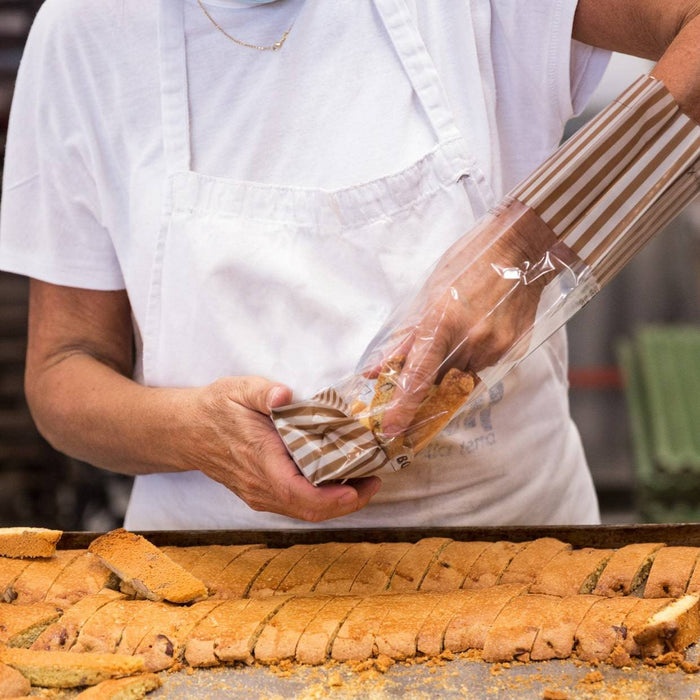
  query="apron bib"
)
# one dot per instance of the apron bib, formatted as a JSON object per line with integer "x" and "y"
{"x": 292, "y": 283}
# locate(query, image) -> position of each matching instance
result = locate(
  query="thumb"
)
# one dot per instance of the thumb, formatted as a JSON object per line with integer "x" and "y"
{"x": 259, "y": 394}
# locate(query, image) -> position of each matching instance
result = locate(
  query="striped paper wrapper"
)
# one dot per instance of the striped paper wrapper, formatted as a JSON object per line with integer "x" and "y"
{"x": 599, "y": 198}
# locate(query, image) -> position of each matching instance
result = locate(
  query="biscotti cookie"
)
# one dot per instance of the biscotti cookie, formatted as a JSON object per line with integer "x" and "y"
{"x": 28, "y": 542}
{"x": 448, "y": 571}
{"x": 21, "y": 625}
{"x": 488, "y": 568}
{"x": 531, "y": 559}
{"x": 671, "y": 571}
{"x": 130, "y": 688}
{"x": 341, "y": 574}
{"x": 627, "y": 569}
{"x": 572, "y": 572}
{"x": 12, "y": 682}
{"x": 414, "y": 564}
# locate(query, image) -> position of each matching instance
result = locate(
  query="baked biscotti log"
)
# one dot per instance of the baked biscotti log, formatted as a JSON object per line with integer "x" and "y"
{"x": 488, "y": 568}
{"x": 627, "y": 569}
{"x": 414, "y": 564}
{"x": 21, "y": 625}
{"x": 103, "y": 630}
{"x": 84, "y": 575}
{"x": 531, "y": 559}
{"x": 215, "y": 559}
{"x": 430, "y": 639}
{"x": 144, "y": 567}
{"x": 236, "y": 579}
{"x": 130, "y": 688}
{"x": 448, "y": 571}
{"x": 341, "y": 574}
{"x": 12, "y": 682}
{"x": 572, "y": 572}
{"x": 355, "y": 638}
{"x": 671, "y": 571}
{"x": 306, "y": 573}
{"x": 269, "y": 577}
{"x": 59, "y": 669}
{"x": 28, "y": 542}
{"x": 375, "y": 575}
{"x": 32, "y": 585}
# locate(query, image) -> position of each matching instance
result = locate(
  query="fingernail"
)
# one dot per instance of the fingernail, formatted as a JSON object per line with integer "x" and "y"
{"x": 348, "y": 498}
{"x": 274, "y": 396}
{"x": 375, "y": 488}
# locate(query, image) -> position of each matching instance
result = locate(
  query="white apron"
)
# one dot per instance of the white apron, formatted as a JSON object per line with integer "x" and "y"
{"x": 292, "y": 283}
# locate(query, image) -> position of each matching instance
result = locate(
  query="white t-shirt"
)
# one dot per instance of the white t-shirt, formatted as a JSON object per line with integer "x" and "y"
{"x": 83, "y": 184}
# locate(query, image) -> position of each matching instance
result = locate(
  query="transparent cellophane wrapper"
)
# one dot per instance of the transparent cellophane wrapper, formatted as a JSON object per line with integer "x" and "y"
{"x": 540, "y": 255}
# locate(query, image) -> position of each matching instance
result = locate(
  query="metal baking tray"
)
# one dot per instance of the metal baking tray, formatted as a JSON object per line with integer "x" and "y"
{"x": 458, "y": 678}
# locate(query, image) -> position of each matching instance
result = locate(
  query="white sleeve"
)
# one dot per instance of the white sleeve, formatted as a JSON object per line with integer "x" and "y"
{"x": 538, "y": 52}
{"x": 51, "y": 225}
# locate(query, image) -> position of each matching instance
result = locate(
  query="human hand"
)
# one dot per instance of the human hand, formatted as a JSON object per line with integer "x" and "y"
{"x": 480, "y": 299}
{"x": 234, "y": 442}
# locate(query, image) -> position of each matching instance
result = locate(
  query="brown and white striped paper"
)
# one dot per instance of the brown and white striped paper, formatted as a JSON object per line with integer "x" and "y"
{"x": 604, "y": 193}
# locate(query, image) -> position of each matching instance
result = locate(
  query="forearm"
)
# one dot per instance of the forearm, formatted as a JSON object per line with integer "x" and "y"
{"x": 90, "y": 411}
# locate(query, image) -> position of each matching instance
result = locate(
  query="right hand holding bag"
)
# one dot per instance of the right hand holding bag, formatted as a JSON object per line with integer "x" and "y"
{"x": 504, "y": 288}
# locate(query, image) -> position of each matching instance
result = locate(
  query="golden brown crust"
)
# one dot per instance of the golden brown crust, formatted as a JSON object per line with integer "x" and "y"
{"x": 627, "y": 568}
{"x": 430, "y": 639}
{"x": 572, "y": 572}
{"x": 375, "y": 575}
{"x": 488, "y": 568}
{"x": 12, "y": 682}
{"x": 21, "y": 625}
{"x": 672, "y": 628}
{"x": 269, "y": 578}
{"x": 32, "y": 585}
{"x": 85, "y": 575}
{"x": 148, "y": 570}
{"x": 341, "y": 574}
{"x": 28, "y": 542}
{"x": 235, "y": 580}
{"x": 306, "y": 573}
{"x": 671, "y": 572}
{"x": 56, "y": 669}
{"x": 448, "y": 571}
{"x": 355, "y": 638}
{"x": 531, "y": 559}
{"x": 102, "y": 632}
{"x": 130, "y": 688}
{"x": 215, "y": 559}
{"x": 602, "y": 628}
{"x": 414, "y": 564}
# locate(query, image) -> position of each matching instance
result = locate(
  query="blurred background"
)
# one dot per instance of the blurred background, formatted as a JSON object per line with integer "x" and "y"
{"x": 634, "y": 375}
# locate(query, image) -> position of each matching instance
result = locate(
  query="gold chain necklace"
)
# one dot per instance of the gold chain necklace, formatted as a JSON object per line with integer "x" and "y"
{"x": 273, "y": 47}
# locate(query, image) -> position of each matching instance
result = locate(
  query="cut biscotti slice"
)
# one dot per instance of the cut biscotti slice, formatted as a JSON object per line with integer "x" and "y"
{"x": 279, "y": 637}
{"x": 220, "y": 622}
{"x": 269, "y": 578}
{"x": 28, "y": 542}
{"x": 469, "y": 626}
{"x": 186, "y": 557}
{"x": 430, "y": 639}
{"x": 238, "y": 642}
{"x": 129, "y": 688}
{"x": 143, "y": 566}
{"x": 671, "y": 571}
{"x": 12, "y": 682}
{"x": 141, "y": 624}
{"x": 163, "y": 644}
{"x": 315, "y": 643}
{"x": 572, "y": 572}
{"x": 513, "y": 632}
{"x": 355, "y": 638}
{"x": 58, "y": 669}
{"x": 627, "y": 569}
{"x": 383, "y": 393}
{"x": 414, "y": 564}
{"x": 488, "y": 568}
{"x": 21, "y": 625}
{"x": 448, "y": 571}
{"x": 85, "y": 575}
{"x": 531, "y": 559}
{"x": 375, "y": 575}
{"x": 341, "y": 574}
{"x": 215, "y": 559}
{"x": 438, "y": 407}
{"x": 10, "y": 570}
{"x": 32, "y": 585}
{"x": 602, "y": 628}
{"x": 61, "y": 635}
{"x": 102, "y": 632}
{"x": 236, "y": 579}
{"x": 673, "y": 628}
{"x": 397, "y": 635}
{"x": 633, "y": 623}
{"x": 305, "y": 574}
{"x": 555, "y": 637}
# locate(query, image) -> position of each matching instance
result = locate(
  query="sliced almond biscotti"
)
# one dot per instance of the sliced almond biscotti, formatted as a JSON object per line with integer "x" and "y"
{"x": 21, "y": 625}
{"x": 397, "y": 635}
{"x": 316, "y": 641}
{"x": 469, "y": 626}
{"x": 60, "y": 669}
{"x": 603, "y": 627}
{"x": 341, "y": 574}
{"x": 61, "y": 635}
{"x": 12, "y": 682}
{"x": 84, "y": 575}
{"x": 102, "y": 632}
{"x": 215, "y": 559}
{"x": 671, "y": 571}
{"x": 672, "y": 628}
{"x": 413, "y": 566}
{"x": 279, "y": 637}
{"x": 430, "y": 639}
{"x": 627, "y": 569}
{"x": 146, "y": 569}
{"x": 269, "y": 578}
{"x": 28, "y": 542}
{"x": 306, "y": 573}
{"x": 555, "y": 637}
{"x": 627, "y": 647}
{"x": 355, "y": 638}
{"x": 130, "y": 688}
{"x": 448, "y": 571}
{"x": 32, "y": 585}
{"x": 572, "y": 572}
{"x": 375, "y": 575}
{"x": 237, "y": 577}
{"x": 488, "y": 568}
{"x": 531, "y": 559}
{"x": 10, "y": 570}
{"x": 513, "y": 632}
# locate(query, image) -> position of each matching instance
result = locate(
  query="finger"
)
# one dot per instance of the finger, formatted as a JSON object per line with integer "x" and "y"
{"x": 300, "y": 499}
{"x": 258, "y": 394}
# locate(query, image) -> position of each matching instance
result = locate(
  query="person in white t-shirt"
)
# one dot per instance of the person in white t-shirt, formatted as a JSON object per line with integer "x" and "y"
{"x": 219, "y": 202}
